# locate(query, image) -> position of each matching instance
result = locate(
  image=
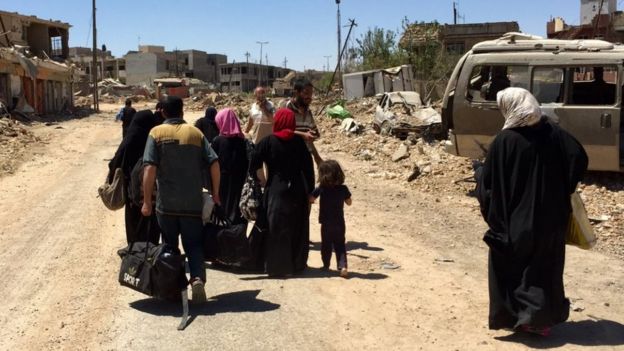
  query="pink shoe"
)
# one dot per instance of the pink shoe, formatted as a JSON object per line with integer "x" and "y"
{"x": 545, "y": 331}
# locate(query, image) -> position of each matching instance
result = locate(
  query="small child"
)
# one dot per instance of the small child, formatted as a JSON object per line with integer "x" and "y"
{"x": 334, "y": 194}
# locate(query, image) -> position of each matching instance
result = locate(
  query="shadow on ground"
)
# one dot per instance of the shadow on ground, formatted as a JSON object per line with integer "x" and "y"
{"x": 235, "y": 302}
{"x": 351, "y": 245}
{"x": 599, "y": 332}
{"x": 313, "y": 273}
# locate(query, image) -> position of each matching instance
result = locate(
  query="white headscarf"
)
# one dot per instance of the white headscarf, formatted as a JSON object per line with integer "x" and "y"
{"x": 519, "y": 107}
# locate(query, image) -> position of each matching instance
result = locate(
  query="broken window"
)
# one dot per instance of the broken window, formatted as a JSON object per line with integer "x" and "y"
{"x": 593, "y": 85}
{"x": 56, "y": 45}
{"x": 548, "y": 84}
{"x": 486, "y": 81}
{"x": 456, "y": 48}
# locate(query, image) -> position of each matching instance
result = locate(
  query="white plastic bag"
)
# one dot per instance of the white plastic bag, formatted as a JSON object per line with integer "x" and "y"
{"x": 207, "y": 208}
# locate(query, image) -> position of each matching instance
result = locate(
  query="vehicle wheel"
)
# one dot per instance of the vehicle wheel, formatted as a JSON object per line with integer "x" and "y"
{"x": 376, "y": 128}
{"x": 385, "y": 129}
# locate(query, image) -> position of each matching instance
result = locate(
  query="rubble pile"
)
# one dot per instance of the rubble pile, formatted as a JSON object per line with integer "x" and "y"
{"x": 14, "y": 141}
{"x": 425, "y": 165}
{"x": 201, "y": 101}
{"x": 603, "y": 195}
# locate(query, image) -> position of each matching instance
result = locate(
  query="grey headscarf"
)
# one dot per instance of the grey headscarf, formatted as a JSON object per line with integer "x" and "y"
{"x": 519, "y": 107}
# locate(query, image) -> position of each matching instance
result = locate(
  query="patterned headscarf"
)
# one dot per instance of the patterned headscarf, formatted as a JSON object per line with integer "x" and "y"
{"x": 519, "y": 108}
{"x": 228, "y": 124}
{"x": 284, "y": 124}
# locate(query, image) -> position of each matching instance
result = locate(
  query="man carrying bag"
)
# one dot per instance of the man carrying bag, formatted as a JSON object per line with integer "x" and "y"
{"x": 155, "y": 270}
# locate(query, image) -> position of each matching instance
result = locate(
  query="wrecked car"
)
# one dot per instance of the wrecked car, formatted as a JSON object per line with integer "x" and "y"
{"x": 402, "y": 112}
{"x": 578, "y": 84}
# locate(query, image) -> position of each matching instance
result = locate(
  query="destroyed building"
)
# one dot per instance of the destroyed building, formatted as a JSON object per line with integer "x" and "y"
{"x": 153, "y": 62}
{"x": 456, "y": 38}
{"x": 245, "y": 77}
{"x": 599, "y": 20}
{"x": 33, "y": 75}
{"x": 108, "y": 66}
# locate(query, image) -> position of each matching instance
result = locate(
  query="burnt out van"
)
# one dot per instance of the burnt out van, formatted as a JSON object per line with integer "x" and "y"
{"x": 578, "y": 83}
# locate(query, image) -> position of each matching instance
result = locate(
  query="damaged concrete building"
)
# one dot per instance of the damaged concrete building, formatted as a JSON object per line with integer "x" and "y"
{"x": 245, "y": 77}
{"x": 108, "y": 66}
{"x": 456, "y": 38}
{"x": 153, "y": 62}
{"x": 33, "y": 75}
{"x": 599, "y": 20}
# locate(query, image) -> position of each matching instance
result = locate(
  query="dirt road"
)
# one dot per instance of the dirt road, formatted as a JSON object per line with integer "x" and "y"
{"x": 418, "y": 272}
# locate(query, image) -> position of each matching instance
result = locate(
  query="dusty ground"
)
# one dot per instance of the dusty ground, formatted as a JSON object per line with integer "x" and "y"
{"x": 418, "y": 271}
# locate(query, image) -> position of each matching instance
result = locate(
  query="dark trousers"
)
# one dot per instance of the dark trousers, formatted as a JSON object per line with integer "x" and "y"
{"x": 333, "y": 236}
{"x": 192, "y": 240}
{"x": 137, "y": 225}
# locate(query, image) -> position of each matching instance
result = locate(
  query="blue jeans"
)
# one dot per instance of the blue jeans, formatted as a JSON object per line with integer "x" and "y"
{"x": 192, "y": 240}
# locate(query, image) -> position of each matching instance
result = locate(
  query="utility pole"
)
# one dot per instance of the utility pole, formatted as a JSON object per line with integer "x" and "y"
{"x": 285, "y": 62}
{"x": 327, "y": 57}
{"x": 176, "y": 60}
{"x": 247, "y": 54}
{"x": 597, "y": 18}
{"x": 454, "y": 13}
{"x": 262, "y": 43}
{"x": 94, "y": 70}
{"x": 339, "y": 39}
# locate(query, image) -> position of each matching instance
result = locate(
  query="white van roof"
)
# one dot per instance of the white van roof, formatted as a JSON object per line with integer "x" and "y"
{"x": 526, "y": 42}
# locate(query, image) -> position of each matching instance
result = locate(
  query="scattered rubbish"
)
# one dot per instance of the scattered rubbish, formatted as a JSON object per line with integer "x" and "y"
{"x": 390, "y": 266}
{"x": 601, "y": 218}
{"x": 415, "y": 173}
{"x": 338, "y": 111}
{"x": 446, "y": 260}
{"x": 350, "y": 126}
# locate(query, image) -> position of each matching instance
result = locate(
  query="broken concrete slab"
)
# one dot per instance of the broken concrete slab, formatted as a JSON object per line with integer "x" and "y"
{"x": 401, "y": 153}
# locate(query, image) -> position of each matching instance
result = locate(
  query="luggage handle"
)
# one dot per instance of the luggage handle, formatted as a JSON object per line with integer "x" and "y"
{"x": 136, "y": 232}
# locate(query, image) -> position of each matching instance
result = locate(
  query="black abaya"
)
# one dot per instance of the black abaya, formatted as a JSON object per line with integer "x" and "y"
{"x": 524, "y": 191}
{"x": 290, "y": 181}
{"x": 234, "y": 163}
{"x": 128, "y": 153}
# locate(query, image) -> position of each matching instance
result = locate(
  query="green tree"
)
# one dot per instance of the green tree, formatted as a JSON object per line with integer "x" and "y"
{"x": 378, "y": 48}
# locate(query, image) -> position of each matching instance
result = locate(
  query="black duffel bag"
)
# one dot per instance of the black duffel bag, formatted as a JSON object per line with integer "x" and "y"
{"x": 155, "y": 270}
{"x": 224, "y": 242}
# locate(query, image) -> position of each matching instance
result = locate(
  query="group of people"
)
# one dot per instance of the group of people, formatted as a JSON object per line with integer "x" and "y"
{"x": 524, "y": 186}
{"x": 215, "y": 154}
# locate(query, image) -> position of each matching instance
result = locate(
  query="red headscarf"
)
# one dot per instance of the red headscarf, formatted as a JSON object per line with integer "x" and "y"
{"x": 284, "y": 124}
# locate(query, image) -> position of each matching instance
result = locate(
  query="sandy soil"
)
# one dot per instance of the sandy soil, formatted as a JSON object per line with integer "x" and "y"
{"x": 418, "y": 272}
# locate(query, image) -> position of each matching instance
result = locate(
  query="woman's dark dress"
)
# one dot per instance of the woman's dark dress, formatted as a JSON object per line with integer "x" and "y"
{"x": 524, "y": 191}
{"x": 290, "y": 181}
{"x": 128, "y": 153}
{"x": 233, "y": 162}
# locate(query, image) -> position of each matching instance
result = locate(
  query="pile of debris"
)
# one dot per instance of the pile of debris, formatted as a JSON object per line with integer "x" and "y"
{"x": 424, "y": 164}
{"x": 14, "y": 141}
{"x": 200, "y": 101}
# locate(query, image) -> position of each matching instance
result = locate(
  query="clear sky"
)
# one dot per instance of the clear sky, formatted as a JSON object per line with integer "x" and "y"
{"x": 303, "y": 31}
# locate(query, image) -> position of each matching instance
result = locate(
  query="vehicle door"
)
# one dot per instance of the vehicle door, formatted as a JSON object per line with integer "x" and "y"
{"x": 476, "y": 117}
{"x": 585, "y": 105}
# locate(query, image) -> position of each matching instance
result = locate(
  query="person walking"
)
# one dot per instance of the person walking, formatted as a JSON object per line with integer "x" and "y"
{"x": 334, "y": 194}
{"x": 125, "y": 115}
{"x": 207, "y": 124}
{"x": 531, "y": 169}
{"x": 129, "y": 152}
{"x": 231, "y": 147}
{"x": 260, "y": 116}
{"x": 289, "y": 183}
{"x": 175, "y": 154}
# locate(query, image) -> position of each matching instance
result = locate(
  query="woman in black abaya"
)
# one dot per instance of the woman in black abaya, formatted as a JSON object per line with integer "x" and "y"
{"x": 128, "y": 153}
{"x": 524, "y": 190}
{"x": 231, "y": 148}
{"x": 290, "y": 180}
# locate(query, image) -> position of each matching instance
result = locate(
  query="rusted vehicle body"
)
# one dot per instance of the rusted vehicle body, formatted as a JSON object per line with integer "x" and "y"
{"x": 403, "y": 112}
{"x": 577, "y": 82}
